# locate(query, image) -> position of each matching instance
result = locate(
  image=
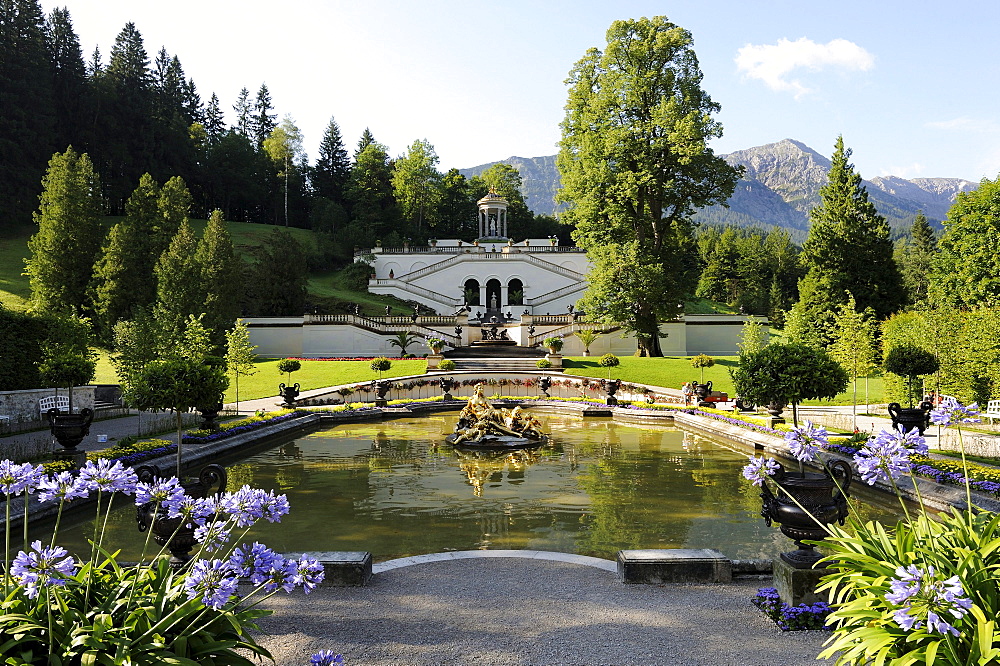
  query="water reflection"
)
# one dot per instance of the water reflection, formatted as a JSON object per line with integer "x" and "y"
{"x": 393, "y": 488}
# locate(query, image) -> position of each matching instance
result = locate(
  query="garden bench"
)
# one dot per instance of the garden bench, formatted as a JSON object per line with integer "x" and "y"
{"x": 992, "y": 410}
{"x": 60, "y": 402}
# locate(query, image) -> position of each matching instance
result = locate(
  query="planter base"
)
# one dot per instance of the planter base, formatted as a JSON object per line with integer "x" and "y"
{"x": 797, "y": 586}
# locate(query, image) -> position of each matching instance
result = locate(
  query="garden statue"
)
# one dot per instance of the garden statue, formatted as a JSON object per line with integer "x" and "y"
{"x": 481, "y": 425}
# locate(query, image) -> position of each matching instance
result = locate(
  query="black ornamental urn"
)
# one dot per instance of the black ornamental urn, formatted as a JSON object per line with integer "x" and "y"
{"x": 910, "y": 417}
{"x": 288, "y": 394}
{"x": 169, "y": 532}
{"x": 803, "y": 504}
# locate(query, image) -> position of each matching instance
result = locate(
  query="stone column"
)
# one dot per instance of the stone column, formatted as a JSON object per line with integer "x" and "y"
{"x": 503, "y": 296}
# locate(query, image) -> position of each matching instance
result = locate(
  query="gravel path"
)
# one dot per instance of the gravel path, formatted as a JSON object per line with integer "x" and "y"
{"x": 529, "y": 612}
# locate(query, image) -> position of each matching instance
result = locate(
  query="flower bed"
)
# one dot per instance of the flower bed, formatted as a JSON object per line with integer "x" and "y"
{"x": 238, "y": 427}
{"x": 791, "y": 618}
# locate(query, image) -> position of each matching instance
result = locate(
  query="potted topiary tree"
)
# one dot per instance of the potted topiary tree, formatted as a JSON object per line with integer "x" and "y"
{"x": 910, "y": 361}
{"x": 780, "y": 374}
{"x": 67, "y": 366}
{"x": 610, "y": 387}
{"x": 702, "y": 361}
{"x": 289, "y": 392}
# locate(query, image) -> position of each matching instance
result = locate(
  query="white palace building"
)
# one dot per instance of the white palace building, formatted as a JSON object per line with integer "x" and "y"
{"x": 528, "y": 288}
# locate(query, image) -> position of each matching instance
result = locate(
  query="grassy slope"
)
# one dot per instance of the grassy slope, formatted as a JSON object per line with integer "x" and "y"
{"x": 14, "y": 290}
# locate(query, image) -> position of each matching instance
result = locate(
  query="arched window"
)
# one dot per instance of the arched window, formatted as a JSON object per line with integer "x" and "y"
{"x": 471, "y": 292}
{"x": 515, "y": 292}
{"x": 493, "y": 301}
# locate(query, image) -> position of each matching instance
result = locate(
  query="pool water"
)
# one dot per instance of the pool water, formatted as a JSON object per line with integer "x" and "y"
{"x": 395, "y": 489}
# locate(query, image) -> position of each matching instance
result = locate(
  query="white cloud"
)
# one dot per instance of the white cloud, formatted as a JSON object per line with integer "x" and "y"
{"x": 772, "y": 63}
{"x": 964, "y": 123}
{"x": 914, "y": 170}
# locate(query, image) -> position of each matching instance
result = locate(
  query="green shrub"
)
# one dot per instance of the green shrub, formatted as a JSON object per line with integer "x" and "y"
{"x": 555, "y": 344}
{"x": 543, "y": 364}
{"x": 447, "y": 365}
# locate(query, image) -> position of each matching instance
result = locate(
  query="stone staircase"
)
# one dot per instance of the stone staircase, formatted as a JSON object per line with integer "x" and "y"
{"x": 510, "y": 358}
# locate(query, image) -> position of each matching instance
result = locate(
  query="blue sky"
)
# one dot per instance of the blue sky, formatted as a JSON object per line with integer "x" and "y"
{"x": 910, "y": 85}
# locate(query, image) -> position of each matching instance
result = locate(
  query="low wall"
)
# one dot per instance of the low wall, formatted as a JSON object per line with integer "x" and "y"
{"x": 22, "y": 406}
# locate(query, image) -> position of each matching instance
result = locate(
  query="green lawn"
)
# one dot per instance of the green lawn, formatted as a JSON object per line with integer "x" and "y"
{"x": 331, "y": 289}
{"x": 673, "y": 371}
{"x": 14, "y": 290}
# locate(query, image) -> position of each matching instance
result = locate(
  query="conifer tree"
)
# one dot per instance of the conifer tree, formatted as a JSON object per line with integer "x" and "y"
{"x": 68, "y": 241}
{"x": 26, "y": 130}
{"x": 173, "y": 205}
{"x": 179, "y": 288}
{"x": 854, "y": 345}
{"x": 123, "y": 276}
{"x": 848, "y": 251}
{"x": 333, "y": 167}
{"x": 69, "y": 80}
{"x": 243, "y": 109}
{"x": 220, "y": 276}
{"x": 915, "y": 257}
{"x": 263, "y": 120}
{"x": 215, "y": 123}
{"x": 366, "y": 140}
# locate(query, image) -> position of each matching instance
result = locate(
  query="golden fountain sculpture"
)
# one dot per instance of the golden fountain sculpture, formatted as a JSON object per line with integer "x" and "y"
{"x": 482, "y": 425}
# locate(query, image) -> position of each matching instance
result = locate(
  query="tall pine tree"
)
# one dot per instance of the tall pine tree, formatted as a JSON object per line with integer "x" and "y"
{"x": 221, "y": 277}
{"x": 848, "y": 250}
{"x": 333, "y": 168}
{"x": 26, "y": 132}
{"x": 180, "y": 291}
{"x": 263, "y": 120}
{"x": 71, "y": 94}
{"x": 68, "y": 242}
{"x": 915, "y": 257}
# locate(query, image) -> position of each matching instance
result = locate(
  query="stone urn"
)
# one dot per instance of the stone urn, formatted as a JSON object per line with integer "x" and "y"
{"x": 910, "y": 417}
{"x": 701, "y": 391}
{"x": 381, "y": 389}
{"x": 70, "y": 429}
{"x": 209, "y": 414}
{"x": 543, "y": 384}
{"x": 447, "y": 384}
{"x": 610, "y": 388}
{"x": 288, "y": 394}
{"x": 169, "y": 532}
{"x": 823, "y": 496}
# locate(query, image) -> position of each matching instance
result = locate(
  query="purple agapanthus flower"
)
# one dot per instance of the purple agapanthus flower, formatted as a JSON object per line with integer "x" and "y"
{"x": 42, "y": 566}
{"x": 62, "y": 486}
{"x": 255, "y": 561}
{"x": 326, "y": 658}
{"x": 309, "y": 573}
{"x": 887, "y": 455}
{"x": 927, "y": 601}
{"x": 213, "y": 535}
{"x": 194, "y": 511}
{"x": 108, "y": 476}
{"x": 248, "y": 505}
{"x": 806, "y": 440}
{"x": 16, "y": 479}
{"x": 758, "y": 469}
{"x": 168, "y": 493}
{"x": 214, "y": 581}
{"x": 951, "y": 412}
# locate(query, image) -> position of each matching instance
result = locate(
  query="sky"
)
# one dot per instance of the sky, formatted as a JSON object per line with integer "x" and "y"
{"x": 910, "y": 85}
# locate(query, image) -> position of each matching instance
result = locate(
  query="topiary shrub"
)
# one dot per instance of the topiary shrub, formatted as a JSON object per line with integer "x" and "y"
{"x": 543, "y": 364}
{"x": 609, "y": 361}
{"x": 380, "y": 365}
{"x": 910, "y": 361}
{"x": 447, "y": 365}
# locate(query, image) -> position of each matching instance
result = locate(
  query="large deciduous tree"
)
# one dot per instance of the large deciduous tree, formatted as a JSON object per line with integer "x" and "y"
{"x": 635, "y": 165}
{"x": 967, "y": 271}
{"x": 68, "y": 241}
{"x": 283, "y": 145}
{"x": 848, "y": 251}
{"x": 416, "y": 184}
{"x": 373, "y": 206}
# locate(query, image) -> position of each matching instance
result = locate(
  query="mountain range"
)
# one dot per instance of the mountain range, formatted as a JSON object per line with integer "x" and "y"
{"x": 779, "y": 187}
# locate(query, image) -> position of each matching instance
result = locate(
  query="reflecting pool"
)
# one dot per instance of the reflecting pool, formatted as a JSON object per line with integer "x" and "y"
{"x": 395, "y": 489}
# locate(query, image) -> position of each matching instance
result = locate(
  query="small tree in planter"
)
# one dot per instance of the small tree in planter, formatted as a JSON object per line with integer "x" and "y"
{"x": 177, "y": 384}
{"x": 780, "y": 374}
{"x": 702, "y": 361}
{"x": 66, "y": 366}
{"x": 609, "y": 361}
{"x": 289, "y": 391}
{"x": 380, "y": 365}
{"x": 554, "y": 344}
{"x": 587, "y": 336}
{"x": 910, "y": 361}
